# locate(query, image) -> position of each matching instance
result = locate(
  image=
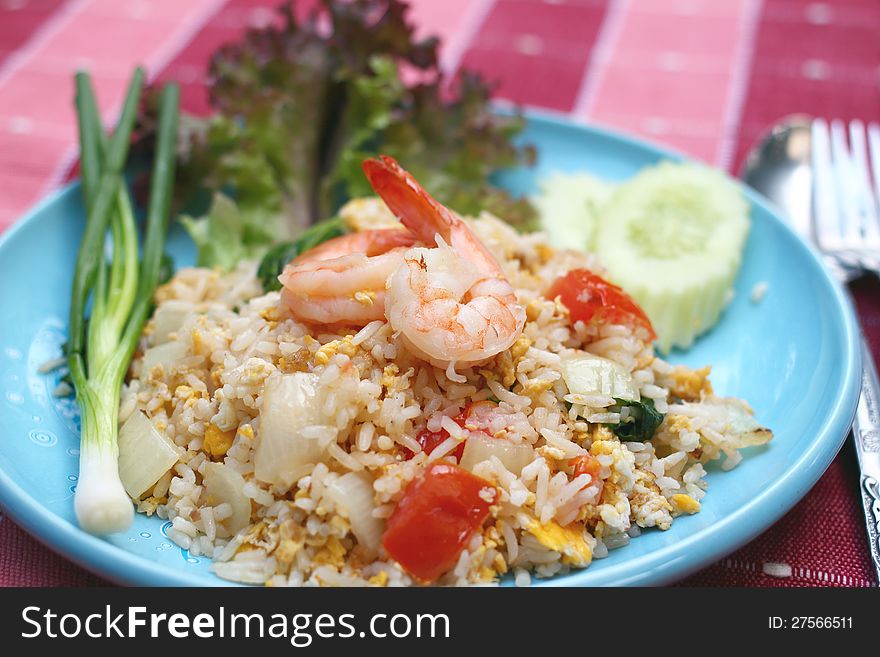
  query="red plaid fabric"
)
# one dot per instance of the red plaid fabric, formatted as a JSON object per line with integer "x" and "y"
{"x": 705, "y": 76}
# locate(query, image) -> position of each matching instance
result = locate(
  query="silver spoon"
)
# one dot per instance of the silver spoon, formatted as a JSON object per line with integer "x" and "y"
{"x": 780, "y": 167}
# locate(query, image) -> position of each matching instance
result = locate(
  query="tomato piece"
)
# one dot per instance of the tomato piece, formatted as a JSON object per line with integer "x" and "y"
{"x": 429, "y": 440}
{"x": 435, "y": 519}
{"x": 590, "y": 298}
{"x": 588, "y": 464}
{"x": 475, "y": 416}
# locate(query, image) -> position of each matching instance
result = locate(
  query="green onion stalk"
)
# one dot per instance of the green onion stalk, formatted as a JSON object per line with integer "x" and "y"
{"x": 101, "y": 347}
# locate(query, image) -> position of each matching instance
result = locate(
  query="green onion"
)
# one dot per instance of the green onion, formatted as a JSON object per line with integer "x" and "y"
{"x": 101, "y": 345}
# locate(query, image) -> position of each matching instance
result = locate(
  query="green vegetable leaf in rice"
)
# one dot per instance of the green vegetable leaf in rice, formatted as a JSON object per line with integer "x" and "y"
{"x": 638, "y": 422}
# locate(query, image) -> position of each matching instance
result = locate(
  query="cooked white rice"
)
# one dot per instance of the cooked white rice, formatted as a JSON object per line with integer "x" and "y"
{"x": 375, "y": 397}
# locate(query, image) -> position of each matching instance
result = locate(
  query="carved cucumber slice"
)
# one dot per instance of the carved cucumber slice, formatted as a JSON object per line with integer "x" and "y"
{"x": 672, "y": 237}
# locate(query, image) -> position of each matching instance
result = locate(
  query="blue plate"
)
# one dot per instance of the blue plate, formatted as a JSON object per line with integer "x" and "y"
{"x": 793, "y": 356}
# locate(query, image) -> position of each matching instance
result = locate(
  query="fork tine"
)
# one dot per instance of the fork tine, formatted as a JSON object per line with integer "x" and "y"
{"x": 850, "y": 223}
{"x": 826, "y": 224}
{"x": 874, "y": 150}
{"x": 861, "y": 180}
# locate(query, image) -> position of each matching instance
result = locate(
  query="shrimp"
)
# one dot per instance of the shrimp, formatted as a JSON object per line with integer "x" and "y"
{"x": 451, "y": 303}
{"x": 342, "y": 281}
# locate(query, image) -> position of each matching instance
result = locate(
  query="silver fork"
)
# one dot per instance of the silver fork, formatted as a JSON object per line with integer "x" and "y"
{"x": 846, "y": 217}
{"x": 846, "y": 228}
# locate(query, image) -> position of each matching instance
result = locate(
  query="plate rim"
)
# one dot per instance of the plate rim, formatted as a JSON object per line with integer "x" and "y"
{"x": 671, "y": 563}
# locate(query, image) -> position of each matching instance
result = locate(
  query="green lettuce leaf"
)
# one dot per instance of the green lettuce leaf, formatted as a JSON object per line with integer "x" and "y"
{"x": 228, "y": 232}
{"x": 299, "y": 105}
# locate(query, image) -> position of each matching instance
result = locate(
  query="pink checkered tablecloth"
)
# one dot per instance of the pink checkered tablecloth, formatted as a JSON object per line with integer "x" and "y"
{"x": 705, "y": 76}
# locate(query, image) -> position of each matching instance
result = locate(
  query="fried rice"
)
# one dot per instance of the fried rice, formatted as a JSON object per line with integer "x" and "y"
{"x": 227, "y": 341}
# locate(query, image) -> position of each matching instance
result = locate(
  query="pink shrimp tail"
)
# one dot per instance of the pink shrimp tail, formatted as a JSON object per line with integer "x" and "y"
{"x": 407, "y": 199}
{"x": 423, "y": 214}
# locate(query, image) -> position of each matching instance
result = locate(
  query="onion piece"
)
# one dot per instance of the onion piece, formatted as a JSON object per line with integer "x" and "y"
{"x": 166, "y": 355}
{"x": 586, "y": 374}
{"x": 732, "y": 418}
{"x": 168, "y": 319}
{"x": 282, "y": 453}
{"x": 145, "y": 454}
{"x": 479, "y": 448}
{"x": 353, "y": 495}
{"x": 223, "y": 484}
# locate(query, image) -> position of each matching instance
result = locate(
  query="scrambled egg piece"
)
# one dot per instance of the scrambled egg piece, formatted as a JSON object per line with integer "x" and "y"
{"x": 188, "y": 395}
{"x": 368, "y": 213}
{"x": 389, "y": 375}
{"x": 340, "y": 523}
{"x": 678, "y": 423}
{"x": 685, "y": 503}
{"x": 343, "y": 346}
{"x": 149, "y": 505}
{"x": 545, "y": 253}
{"x": 623, "y": 465}
{"x": 487, "y": 574}
{"x": 291, "y": 541}
{"x": 500, "y": 564}
{"x": 183, "y": 392}
{"x": 217, "y": 441}
{"x": 648, "y": 506}
{"x": 504, "y": 370}
{"x": 691, "y": 385}
{"x": 260, "y": 535}
{"x": 519, "y": 348}
{"x": 602, "y": 445}
{"x": 506, "y": 362}
{"x": 332, "y": 554}
{"x": 379, "y": 579}
{"x": 536, "y": 387}
{"x": 286, "y": 552}
{"x": 533, "y": 309}
{"x": 567, "y": 540}
{"x": 271, "y": 314}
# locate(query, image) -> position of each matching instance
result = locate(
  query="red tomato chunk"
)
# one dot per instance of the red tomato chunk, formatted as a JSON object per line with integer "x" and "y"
{"x": 590, "y": 298}
{"x": 429, "y": 440}
{"x": 587, "y": 464}
{"x": 435, "y": 519}
{"x": 475, "y": 416}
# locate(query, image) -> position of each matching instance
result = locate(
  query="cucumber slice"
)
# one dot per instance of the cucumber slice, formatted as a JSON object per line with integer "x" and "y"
{"x": 569, "y": 206}
{"x": 672, "y": 237}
